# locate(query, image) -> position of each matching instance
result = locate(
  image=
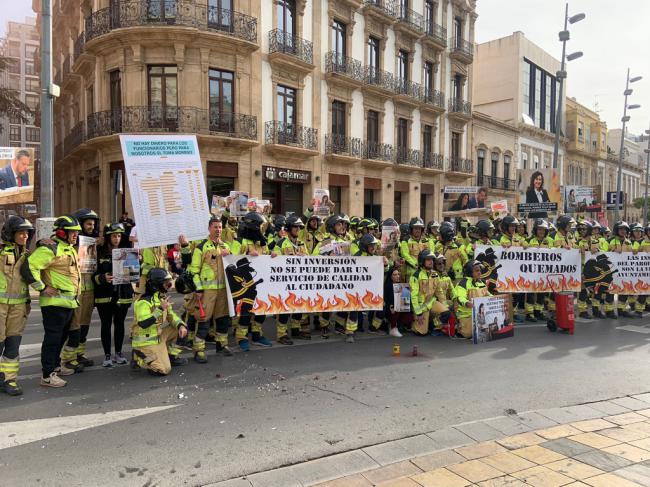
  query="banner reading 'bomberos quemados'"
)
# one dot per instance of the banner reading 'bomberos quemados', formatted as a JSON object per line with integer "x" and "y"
{"x": 522, "y": 270}
{"x": 303, "y": 284}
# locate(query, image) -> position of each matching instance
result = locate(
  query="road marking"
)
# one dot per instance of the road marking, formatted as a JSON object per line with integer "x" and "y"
{"x": 635, "y": 329}
{"x": 35, "y": 348}
{"x": 20, "y": 432}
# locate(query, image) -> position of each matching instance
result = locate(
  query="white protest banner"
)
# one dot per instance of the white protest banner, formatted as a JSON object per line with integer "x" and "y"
{"x": 492, "y": 318}
{"x": 167, "y": 187}
{"x": 126, "y": 266}
{"x": 461, "y": 189}
{"x": 303, "y": 284}
{"x": 521, "y": 270}
{"x": 87, "y": 254}
{"x": 401, "y": 297}
{"x": 625, "y": 273}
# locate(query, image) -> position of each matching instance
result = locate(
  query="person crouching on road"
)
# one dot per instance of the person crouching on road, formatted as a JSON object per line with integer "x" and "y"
{"x": 112, "y": 301}
{"x": 156, "y": 327}
{"x": 14, "y": 299}
{"x": 471, "y": 286}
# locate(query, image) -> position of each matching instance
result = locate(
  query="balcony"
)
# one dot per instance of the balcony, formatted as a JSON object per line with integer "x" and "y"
{"x": 462, "y": 167}
{"x": 289, "y": 140}
{"x": 377, "y": 154}
{"x": 410, "y": 22}
{"x": 290, "y": 51}
{"x": 382, "y": 10}
{"x": 460, "y": 109}
{"x": 339, "y": 147}
{"x": 236, "y": 28}
{"x": 75, "y": 138}
{"x": 435, "y": 35}
{"x": 408, "y": 92}
{"x": 493, "y": 182}
{"x": 434, "y": 161}
{"x": 461, "y": 50}
{"x": 406, "y": 157}
{"x": 79, "y": 47}
{"x": 433, "y": 101}
{"x": 344, "y": 69}
{"x": 234, "y": 128}
{"x": 379, "y": 81}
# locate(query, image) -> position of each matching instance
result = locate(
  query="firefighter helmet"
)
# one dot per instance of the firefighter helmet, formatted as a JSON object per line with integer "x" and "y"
{"x": 416, "y": 223}
{"x": 424, "y": 255}
{"x": 483, "y": 227}
{"x": 620, "y": 225}
{"x": 157, "y": 280}
{"x": 294, "y": 221}
{"x": 185, "y": 283}
{"x": 15, "y": 224}
{"x": 543, "y": 224}
{"x": 389, "y": 222}
{"x": 84, "y": 214}
{"x": 331, "y": 222}
{"x": 367, "y": 240}
{"x": 508, "y": 221}
{"x": 112, "y": 228}
{"x": 354, "y": 221}
{"x": 447, "y": 233}
{"x": 565, "y": 222}
{"x": 67, "y": 223}
{"x": 468, "y": 269}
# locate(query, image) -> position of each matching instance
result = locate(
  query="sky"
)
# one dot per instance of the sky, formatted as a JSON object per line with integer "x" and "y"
{"x": 615, "y": 35}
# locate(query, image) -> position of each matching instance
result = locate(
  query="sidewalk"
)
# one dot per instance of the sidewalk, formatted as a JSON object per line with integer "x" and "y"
{"x": 600, "y": 444}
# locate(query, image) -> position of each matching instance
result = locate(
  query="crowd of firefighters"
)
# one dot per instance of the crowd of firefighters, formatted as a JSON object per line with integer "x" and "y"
{"x": 437, "y": 260}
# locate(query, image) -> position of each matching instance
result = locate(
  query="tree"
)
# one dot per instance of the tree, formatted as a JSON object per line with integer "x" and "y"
{"x": 10, "y": 104}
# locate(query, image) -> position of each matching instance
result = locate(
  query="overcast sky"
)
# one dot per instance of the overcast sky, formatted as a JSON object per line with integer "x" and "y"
{"x": 614, "y": 36}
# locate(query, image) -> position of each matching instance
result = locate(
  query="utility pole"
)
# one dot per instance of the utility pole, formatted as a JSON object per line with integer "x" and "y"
{"x": 647, "y": 169}
{"x": 48, "y": 92}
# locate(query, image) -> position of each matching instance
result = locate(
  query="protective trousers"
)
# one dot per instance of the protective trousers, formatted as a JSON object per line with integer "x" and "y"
{"x": 588, "y": 298}
{"x": 156, "y": 357}
{"x": 535, "y": 303}
{"x": 252, "y": 323}
{"x": 56, "y": 324}
{"x": 202, "y": 329}
{"x": 12, "y": 324}
{"x": 294, "y": 321}
{"x": 215, "y": 310}
{"x": 76, "y": 343}
{"x": 347, "y": 321}
{"x": 609, "y": 302}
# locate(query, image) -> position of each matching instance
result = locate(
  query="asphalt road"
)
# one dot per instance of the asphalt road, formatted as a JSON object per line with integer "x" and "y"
{"x": 278, "y": 406}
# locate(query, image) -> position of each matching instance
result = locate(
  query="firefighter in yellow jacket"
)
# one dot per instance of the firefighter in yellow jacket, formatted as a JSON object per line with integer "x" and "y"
{"x": 411, "y": 247}
{"x": 619, "y": 243}
{"x": 470, "y": 287}
{"x": 14, "y": 299}
{"x": 423, "y": 294}
{"x": 156, "y": 327}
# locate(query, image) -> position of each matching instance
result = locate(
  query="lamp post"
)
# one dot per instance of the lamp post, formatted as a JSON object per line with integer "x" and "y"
{"x": 565, "y": 35}
{"x": 647, "y": 169}
{"x": 625, "y": 119}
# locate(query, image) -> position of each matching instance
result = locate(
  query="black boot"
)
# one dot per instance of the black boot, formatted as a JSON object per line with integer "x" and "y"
{"x": 177, "y": 361}
{"x": 11, "y": 388}
{"x": 611, "y": 315}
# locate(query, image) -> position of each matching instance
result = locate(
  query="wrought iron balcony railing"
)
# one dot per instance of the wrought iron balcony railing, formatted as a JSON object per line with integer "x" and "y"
{"x": 494, "y": 182}
{"x": 79, "y": 46}
{"x": 408, "y": 157}
{"x": 461, "y": 165}
{"x": 462, "y": 46}
{"x": 379, "y": 78}
{"x": 75, "y": 138}
{"x": 66, "y": 66}
{"x": 386, "y": 6}
{"x": 408, "y": 88}
{"x": 434, "y": 97}
{"x": 279, "y": 132}
{"x": 431, "y": 160}
{"x": 377, "y": 151}
{"x": 184, "y": 13}
{"x": 280, "y": 41}
{"x": 410, "y": 17}
{"x": 435, "y": 31}
{"x": 458, "y": 105}
{"x": 336, "y": 62}
{"x": 344, "y": 146}
{"x": 171, "y": 119}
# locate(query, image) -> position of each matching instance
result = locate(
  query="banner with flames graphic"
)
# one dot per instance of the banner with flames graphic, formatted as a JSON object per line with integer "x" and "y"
{"x": 624, "y": 273}
{"x": 265, "y": 285}
{"x": 521, "y": 270}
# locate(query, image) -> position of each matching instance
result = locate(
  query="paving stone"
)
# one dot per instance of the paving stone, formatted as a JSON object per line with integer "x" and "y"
{"x": 608, "y": 407}
{"x": 438, "y": 460}
{"x": 556, "y": 432}
{"x": 398, "y": 450}
{"x": 629, "y": 452}
{"x": 635, "y": 473}
{"x": 535, "y": 420}
{"x": 281, "y": 477}
{"x": 231, "y": 483}
{"x": 574, "y": 469}
{"x": 480, "y": 450}
{"x": 507, "y": 426}
{"x": 440, "y": 477}
{"x": 559, "y": 415}
{"x": 584, "y": 412}
{"x": 644, "y": 443}
{"x": 644, "y": 412}
{"x": 507, "y": 462}
{"x": 642, "y": 427}
{"x": 538, "y": 455}
{"x": 357, "y": 480}
{"x": 610, "y": 480}
{"x": 332, "y": 467}
{"x": 405, "y": 482}
{"x": 479, "y": 431}
{"x": 449, "y": 438}
{"x": 566, "y": 447}
{"x": 630, "y": 403}
{"x": 576, "y": 484}
{"x": 475, "y": 471}
{"x": 602, "y": 460}
{"x": 643, "y": 397}
{"x": 542, "y": 477}
{"x": 594, "y": 440}
{"x": 593, "y": 425}
{"x": 622, "y": 434}
{"x": 520, "y": 441}
{"x": 392, "y": 472}
{"x": 626, "y": 418}
{"x": 506, "y": 481}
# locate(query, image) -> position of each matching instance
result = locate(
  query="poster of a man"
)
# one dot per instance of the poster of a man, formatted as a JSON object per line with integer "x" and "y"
{"x": 479, "y": 199}
{"x": 16, "y": 173}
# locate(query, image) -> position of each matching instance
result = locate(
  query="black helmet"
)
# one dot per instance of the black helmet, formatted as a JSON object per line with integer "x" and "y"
{"x": 66, "y": 222}
{"x": 468, "y": 269}
{"x": 447, "y": 233}
{"x": 331, "y": 222}
{"x": 114, "y": 228}
{"x": 294, "y": 221}
{"x": 507, "y": 221}
{"x": 345, "y": 219}
{"x": 440, "y": 258}
{"x": 314, "y": 217}
{"x": 416, "y": 223}
{"x": 185, "y": 283}
{"x": 483, "y": 227}
{"x": 367, "y": 240}
{"x": 156, "y": 280}
{"x": 404, "y": 230}
{"x": 253, "y": 220}
{"x": 354, "y": 221}
{"x": 424, "y": 255}
{"x": 618, "y": 225}
{"x": 15, "y": 224}
{"x": 365, "y": 223}
{"x": 565, "y": 222}
{"x": 84, "y": 214}
{"x": 586, "y": 224}
{"x": 373, "y": 223}
{"x": 539, "y": 223}
{"x": 279, "y": 223}
{"x": 431, "y": 225}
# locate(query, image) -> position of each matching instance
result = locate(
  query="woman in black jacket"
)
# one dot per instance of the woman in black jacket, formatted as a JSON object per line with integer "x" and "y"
{"x": 112, "y": 301}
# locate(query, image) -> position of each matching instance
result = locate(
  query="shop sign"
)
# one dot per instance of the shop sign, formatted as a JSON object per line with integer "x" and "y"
{"x": 285, "y": 175}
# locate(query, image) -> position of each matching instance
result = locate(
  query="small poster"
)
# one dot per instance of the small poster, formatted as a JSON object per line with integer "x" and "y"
{"x": 252, "y": 204}
{"x": 499, "y": 208}
{"x": 218, "y": 206}
{"x": 401, "y": 297}
{"x": 238, "y": 203}
{"x": 126, "y": 266}
{"x": 264, "y": 207}
{"x": 16, "y": 175}
{"x": 581, "y": 199}
{"x": 492, "y": 318}
{"x": 538, "y": 192}
{"x": 87, "y": 254}
{"x": 335, "y": 248}
{"x": 321, "y": 203}
{"x": 389, "y": 239}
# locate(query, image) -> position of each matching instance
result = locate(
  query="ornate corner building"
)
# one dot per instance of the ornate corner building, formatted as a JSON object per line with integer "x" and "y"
{"x": 369, "y": 98}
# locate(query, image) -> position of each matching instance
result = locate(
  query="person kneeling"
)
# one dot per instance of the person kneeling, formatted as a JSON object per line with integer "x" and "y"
{"x": 156, "y": 327}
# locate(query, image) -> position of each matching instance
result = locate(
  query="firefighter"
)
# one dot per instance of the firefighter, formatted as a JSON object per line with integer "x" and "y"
{"x": 485, "y": 230}
{"x": 368, "y": 246}
{"x": 588, "y": 242}
{"x": 444, "y": 294}
{"x": 522, "y": 229}
{"x": 156, "y": 327}
{"x": 640, "y": 244}
{"x": 251, "y": 241}
{"x": 207, "y": 272}
{"x": 112, "y": 301}
{"x": 365, "y": 226}
{"x": 423, "y": 292}
{"x": 510, "y": 238}
{"x": 279, "y": 232}
{"x": 89, "y": 222}
{"x": 412, "y": 246}
{"x": 53, "y": 271}
{"x": 619, "y": 243}
{"x": 229, "y": 233}
{"x": 292, "y": 245}
{"x": 432, "y": 233}
{"x": 311, "y": 234}
{"x": 454, "y": 254}
{"x": 535, "y": 302}
{"x": 470, "y": 287}
{"x": 14, "y": 299}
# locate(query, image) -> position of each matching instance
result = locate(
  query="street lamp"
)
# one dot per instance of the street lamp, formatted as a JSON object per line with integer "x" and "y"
{"x": 564, "y": 36}
{"x": 647, "y": 169}
{"x": 625, "y": 119}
